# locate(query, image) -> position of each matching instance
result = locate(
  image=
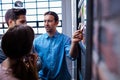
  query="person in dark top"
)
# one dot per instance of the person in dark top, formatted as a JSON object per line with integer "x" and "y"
{"x": 13, "y": 17}
{"x": 20, "y": 63}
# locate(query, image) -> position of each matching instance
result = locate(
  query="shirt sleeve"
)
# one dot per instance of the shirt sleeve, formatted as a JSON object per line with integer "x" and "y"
{"x": 67, "y": 48}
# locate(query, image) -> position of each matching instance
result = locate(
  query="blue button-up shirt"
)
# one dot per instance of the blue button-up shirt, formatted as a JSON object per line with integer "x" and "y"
{"x": 53, "y": 51}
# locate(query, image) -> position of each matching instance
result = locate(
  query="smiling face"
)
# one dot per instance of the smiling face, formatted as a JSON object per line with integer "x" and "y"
{"x": 50, "y": 23}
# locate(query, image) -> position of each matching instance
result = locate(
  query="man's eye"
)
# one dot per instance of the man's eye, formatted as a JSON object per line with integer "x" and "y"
{"x": 23, "y": 22}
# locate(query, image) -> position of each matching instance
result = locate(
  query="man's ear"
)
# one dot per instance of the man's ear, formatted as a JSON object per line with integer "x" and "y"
{"x": 11, "y": 23}
{"x": 57, "y": 22}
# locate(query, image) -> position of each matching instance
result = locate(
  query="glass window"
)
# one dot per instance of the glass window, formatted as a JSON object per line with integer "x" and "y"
{"x": 31, "y": 18}
{"x": 40, "y": 17}
{"x": 42, "y": 0}
{"x": 42, "y": 11}
{"x": 31, "y": 11}
{"x": 6, "y": 1}
{"x": 0, "y": 14}
{"x": 35, "y": 11}
{"x": 6, "y": 6}
{"x": 60, "y": 16}
{"x": 4, "y": 11}
{"x": 30, "y": 0}
{"x": 41, "y": 23}
{"x": 55, "y": 4}
{"x": 42, "y": 4}
{"x": 41, "y": 30}
{"x": 31, "y": 24}
{"x": 59, "y": 29}
{"x": 30, "y": 5}
{"x": 0, "y": 24}
{"x": 57, "y": 10}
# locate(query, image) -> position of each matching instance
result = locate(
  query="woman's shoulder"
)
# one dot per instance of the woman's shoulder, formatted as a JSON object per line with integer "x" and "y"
{"x": 5, "y": 74}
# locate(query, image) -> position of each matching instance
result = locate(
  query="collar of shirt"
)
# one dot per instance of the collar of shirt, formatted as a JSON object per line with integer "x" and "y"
{"x": 56, "y": 34}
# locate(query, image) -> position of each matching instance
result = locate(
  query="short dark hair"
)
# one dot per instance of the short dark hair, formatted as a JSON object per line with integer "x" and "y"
{"x": 14, "y": 14}
{"x": 53, "y": 14}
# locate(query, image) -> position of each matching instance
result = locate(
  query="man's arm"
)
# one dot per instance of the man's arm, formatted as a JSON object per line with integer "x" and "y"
{"x": 77, "y": 37}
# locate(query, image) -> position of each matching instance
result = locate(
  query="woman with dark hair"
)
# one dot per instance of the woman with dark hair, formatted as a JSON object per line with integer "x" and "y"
{"x": 20, "y": 63}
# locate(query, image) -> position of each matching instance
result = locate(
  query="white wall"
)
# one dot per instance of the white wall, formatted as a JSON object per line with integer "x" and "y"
{"x": 66, "y": 17}
{"x": 68, "y": 27}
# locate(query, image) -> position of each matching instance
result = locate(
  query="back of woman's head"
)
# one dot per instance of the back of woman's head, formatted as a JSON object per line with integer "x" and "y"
{"x": 17, "y": 44}
{"x": 17, "y": 41}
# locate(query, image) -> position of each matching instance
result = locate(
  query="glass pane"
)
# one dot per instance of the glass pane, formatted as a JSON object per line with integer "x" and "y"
{"x": 42, "y": 11}
{"x": 57, "y": 10}
{"x": 40, "y": 17}
{"x": 1, "y": 31}
{"x": 30, "y": 5}
{"x": 55, "y": 4}
{"x": 0, "y": 14}
{"x": 35, "y": 30}
{"x": 60, "y": 16}
{"x": 4, "y": 12}
{"x": 6, "y": 6}
{"x": 30, "y": 0}
{"x": 41, "y": 23}
{"x": 31, "y": 11}
{"x": 5, "y": 25}
{"x": 32, "y": 24}
{"x": 6, "y": 1}
{"x": 59, "y": 24}
{"x": 59, "y": 29}
{"x": 17, "y": 0}
{"x": 41, "y": 30}
{"x": 0, "y": 24}
{"x": 54, "y": 0}
{"x": 42, "y": 0}
{"x": 42, "y": 4}
{"x": 1, "y": 19}
{"x": 31, "y": 18}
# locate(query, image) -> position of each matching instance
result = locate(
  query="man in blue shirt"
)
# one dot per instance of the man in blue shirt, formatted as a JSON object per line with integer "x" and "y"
{"x": 53, "y": 47}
